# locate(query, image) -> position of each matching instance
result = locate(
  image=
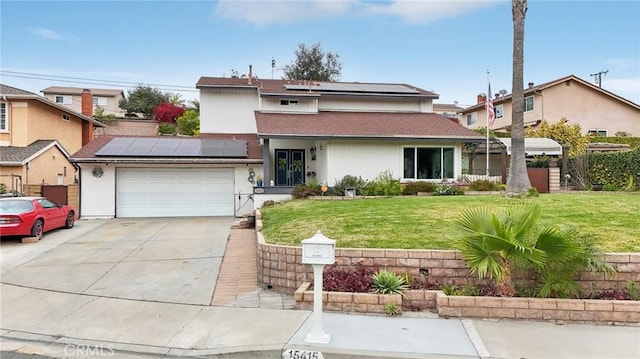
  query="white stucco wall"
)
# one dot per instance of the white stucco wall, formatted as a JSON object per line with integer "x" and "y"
{"x": 228, "y": 111}
{"x": 305, "y": 105}
{"x": 374, "y": 104}
{"x": 98, "y": 195}
{"x": 369, "y": 159}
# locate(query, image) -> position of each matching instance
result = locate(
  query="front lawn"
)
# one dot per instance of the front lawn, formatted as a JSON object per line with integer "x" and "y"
{"x": 413, "y": 222}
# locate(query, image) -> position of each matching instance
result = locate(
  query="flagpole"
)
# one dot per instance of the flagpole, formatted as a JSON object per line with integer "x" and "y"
{"x": 487, "y": 110}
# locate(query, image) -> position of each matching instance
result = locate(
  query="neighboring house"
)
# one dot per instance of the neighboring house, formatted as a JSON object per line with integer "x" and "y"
{"x": 595, "y": 109}
{"x": 450, "y": 110}
{"x": 36, "y": 137}
{"x": 288, "y": 132}
{"x": 71, "y": 97}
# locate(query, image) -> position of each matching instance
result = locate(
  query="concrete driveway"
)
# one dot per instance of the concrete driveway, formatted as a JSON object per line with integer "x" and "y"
{"x": 172, "y": 260}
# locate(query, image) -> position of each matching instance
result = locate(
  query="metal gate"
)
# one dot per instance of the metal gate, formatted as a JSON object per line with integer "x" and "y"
{"x": 57, "y": 194}
{"x": 539, "y": 178}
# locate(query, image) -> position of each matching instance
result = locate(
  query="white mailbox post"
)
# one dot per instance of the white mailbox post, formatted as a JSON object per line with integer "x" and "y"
{"x": 318, "y": 251}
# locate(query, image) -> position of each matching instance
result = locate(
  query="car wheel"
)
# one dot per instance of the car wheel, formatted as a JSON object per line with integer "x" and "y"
{"x": 38, "y": 229}
{"x": 70, "y": 220}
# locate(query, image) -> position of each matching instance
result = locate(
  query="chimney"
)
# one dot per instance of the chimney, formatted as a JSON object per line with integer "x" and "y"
{"x": 530, "y": 85}
{"x": 250, "y": 77}
{"x": 482, "y": 98}
{"x": 87, "y": 103}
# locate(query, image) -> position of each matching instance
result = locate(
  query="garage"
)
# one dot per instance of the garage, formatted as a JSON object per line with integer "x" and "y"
{"x": 174, "y": 192}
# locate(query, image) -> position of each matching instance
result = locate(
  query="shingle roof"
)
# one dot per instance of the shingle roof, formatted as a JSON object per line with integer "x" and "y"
{"x": 10, "y": 90}
{"x": 78, "y": 91}
{"x": 300, "y": 87}
{"x": 16, "y": 154}
{"x": 362, "y": 125}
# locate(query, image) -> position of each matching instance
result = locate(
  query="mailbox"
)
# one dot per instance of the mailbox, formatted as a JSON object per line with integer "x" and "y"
{"x": 318, "y": 250}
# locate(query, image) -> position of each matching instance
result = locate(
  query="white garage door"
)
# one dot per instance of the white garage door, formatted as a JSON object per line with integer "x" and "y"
{"x": 174, "y": 192}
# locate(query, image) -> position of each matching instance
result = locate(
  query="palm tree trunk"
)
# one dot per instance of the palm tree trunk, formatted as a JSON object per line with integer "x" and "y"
{"x": 518, "y": 180}
{"x": 505, "y": 287}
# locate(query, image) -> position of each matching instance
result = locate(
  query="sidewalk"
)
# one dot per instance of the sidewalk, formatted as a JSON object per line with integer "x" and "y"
{"x": 58, "y": 324}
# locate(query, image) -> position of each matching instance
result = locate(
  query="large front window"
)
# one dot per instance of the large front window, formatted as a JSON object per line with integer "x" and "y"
{"x": 428, "y": 162}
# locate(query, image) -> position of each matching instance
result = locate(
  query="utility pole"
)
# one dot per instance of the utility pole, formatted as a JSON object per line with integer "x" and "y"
{"x": 598, "y": 77}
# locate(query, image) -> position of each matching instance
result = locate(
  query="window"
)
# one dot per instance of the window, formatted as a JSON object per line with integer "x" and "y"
{"x": 599, "y": 133}
{"x": 65, "y": 100}
{"x": 499, "y": 111}
{"x": 65, "y": 117}
{"x": 100, "y": 101}
{"x": 528, "y": 104}
{"x": 428, "y": 162}
{"x": 288, "y": 102}
{"x": 472, "y": 119}
{"x": 4, "y": 120}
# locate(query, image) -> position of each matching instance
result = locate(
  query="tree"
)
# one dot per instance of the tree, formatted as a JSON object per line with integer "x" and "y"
{"x": 175, "y": 99}
{"x": 143, "y": 99}
{"x": 313, "y": 64}
{"x": 567, "y": 135}
{"x": 166, "y": 112}
{"x": 494, "y": 244}
{"x": 189, "y": 123}
{"x": 103, "y": 117}
{"x": 194, "y": 105}
{"x": 518, "y": 180}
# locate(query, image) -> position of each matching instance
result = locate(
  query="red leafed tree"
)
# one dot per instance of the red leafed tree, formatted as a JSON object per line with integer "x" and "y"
{"x": 166, "y": 112}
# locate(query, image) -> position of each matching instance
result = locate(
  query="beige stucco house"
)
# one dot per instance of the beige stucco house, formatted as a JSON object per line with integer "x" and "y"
{"x": 71, "y": 97}
{"x": 595, "y": 109}
{"x": 36, "y": 137}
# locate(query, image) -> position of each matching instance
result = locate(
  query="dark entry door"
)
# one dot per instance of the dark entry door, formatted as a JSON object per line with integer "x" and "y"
{"x": 289, "y": 167}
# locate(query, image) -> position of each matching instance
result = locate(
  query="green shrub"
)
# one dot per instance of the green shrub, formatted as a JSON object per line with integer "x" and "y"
{"x": 539, "y": 162}
{"x": 448, "y": 190}
{"x": 385, "y": 282}
{"x": 633, "y": 290}
{"x": 633, "y": 142}
{"x": 349, "y": 181}
{"x": 165, "y": 128}
{"x": 391, "y": 309}
{"x": 413, "y": 188}
{"x": 485, "y": 185}
{"x": 619, "y": 170}
{"x": 383, "y": 185}
{"x": 305, "y": 190}
{"x": 533, "y": 192}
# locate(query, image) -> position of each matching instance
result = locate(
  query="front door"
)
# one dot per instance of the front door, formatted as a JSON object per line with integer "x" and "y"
{"x": 289, "y": 167}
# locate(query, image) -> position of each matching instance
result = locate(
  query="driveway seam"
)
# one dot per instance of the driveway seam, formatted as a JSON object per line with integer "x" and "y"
{"x": 184, "y": 326}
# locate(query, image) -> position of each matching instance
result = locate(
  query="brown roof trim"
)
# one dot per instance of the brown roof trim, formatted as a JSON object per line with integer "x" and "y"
{"x": 62, "y": 108}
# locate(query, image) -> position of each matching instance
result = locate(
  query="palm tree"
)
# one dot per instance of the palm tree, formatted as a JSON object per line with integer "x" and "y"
{"x": 518, "y": 180}
{"x": 494, "y": 244}
{"x": 194, "y": 105}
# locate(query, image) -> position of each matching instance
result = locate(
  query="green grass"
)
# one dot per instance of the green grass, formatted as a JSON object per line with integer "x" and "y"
{"x": 412, "y": 222}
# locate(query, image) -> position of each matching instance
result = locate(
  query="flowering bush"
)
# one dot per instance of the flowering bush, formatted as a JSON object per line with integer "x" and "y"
{"x": 166, "y": 112}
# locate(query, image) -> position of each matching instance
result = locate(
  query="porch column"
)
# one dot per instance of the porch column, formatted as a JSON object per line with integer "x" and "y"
{"x": 266, "y": 162}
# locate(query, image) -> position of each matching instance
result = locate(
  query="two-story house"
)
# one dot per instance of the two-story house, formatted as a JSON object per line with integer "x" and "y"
{"x": 596, "y": 110}
{"x": 36, "y": 137}
{"x": 107, "y": 99}
{"x": 288, "y": 132}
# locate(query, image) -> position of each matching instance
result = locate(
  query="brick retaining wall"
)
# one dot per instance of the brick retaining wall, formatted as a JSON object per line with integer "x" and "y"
{"x": 281, "y": 266}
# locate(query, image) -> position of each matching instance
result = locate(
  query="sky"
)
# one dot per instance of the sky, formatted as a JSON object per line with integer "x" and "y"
{"x": 449, "y": 47}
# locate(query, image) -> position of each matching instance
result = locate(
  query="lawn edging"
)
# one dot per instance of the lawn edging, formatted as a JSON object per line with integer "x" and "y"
{"x": 347, "y": 301}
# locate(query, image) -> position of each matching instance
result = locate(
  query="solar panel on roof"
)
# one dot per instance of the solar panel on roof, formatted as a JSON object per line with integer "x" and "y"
{"x": 354, "y": 87}
{"x": 173, "y": 147}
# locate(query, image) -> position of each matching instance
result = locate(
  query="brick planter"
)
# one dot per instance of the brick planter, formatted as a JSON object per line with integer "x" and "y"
{"x": 346, "y": 301}
{"x": 619, "y": 312}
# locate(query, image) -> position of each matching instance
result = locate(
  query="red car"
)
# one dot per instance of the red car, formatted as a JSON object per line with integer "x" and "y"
{"x": 33, "y": 216}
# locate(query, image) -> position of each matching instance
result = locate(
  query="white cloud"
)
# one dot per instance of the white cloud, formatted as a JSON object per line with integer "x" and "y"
{"x": 628, "y": 88}
{"x": 282, "y": 11}
{"x": 279, "y": 11}
{"x": 51, "y": 34}
{"x": 422, "y": 12}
